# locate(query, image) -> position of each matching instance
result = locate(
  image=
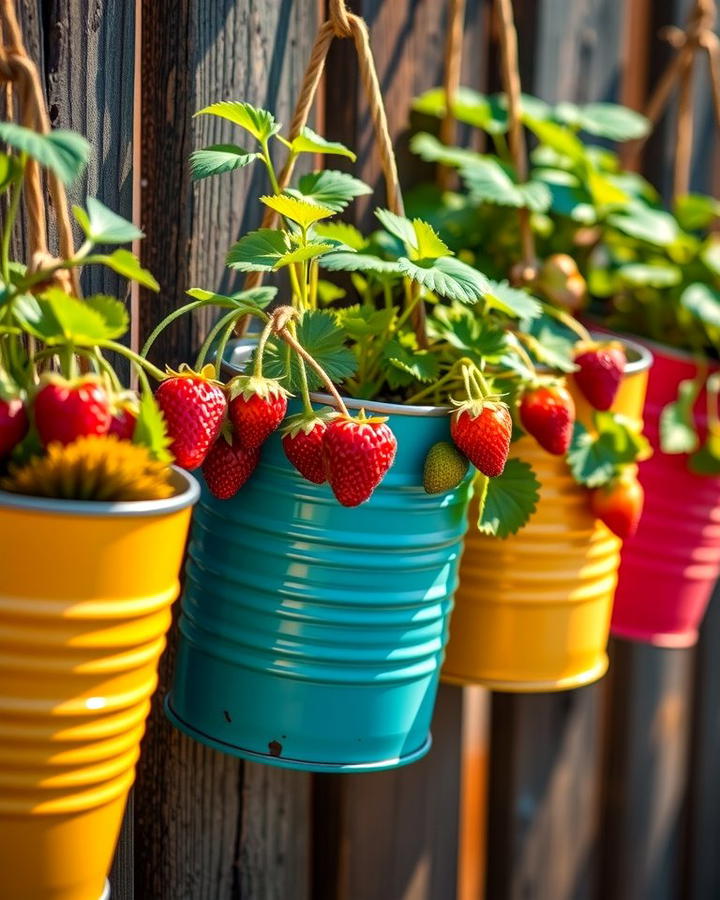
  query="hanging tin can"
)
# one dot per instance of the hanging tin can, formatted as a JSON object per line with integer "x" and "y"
{"x": 533, "y": 611}
{"x": 312, "y": 635}
{"x": 669, "y": 568}
{"x": 85, "y": 596}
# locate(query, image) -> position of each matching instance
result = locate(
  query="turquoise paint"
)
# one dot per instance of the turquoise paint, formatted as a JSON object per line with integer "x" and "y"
{"x": 311, "y": 635}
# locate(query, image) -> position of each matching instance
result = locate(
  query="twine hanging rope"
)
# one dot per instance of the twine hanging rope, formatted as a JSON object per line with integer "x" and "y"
{"x": 343, "y": 24}
{"x": 510, "y": 72}
{"x": 451, "y": 81}
{"x": 697, "y": 37}
{"x": 21, "y": 75}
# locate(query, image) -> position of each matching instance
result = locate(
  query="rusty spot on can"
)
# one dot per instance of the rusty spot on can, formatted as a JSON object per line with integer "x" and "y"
{"x": 227, "y": 716}
{"x": 275, "y": 748}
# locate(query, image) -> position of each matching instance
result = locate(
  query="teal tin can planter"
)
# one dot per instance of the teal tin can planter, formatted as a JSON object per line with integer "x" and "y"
{"x": 311, "y": 635}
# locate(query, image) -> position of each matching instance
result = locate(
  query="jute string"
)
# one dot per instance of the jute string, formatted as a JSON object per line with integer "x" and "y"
{"x": 697, "y": 37}
{"x": 451, "y": 80}
{"x": 21, "y": 75}
{"x": 344, "y": 24}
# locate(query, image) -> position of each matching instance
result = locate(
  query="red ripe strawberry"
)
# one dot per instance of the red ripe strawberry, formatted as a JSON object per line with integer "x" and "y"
{"x": 481, "y": 429}
{"x": 257, "y": 407}
{"x": 357, "y": 453}
{"x": 547, "y": 413}
{"x": 303, "y": 440}
{"x": 124, "y": 416}
{"x": 619, "y": 504}
{"x": 601, "y": 368}
{"x": 194, "y": 407}
{"x": 13, "y": 423}
{"x": 66, "y": 410}
{"x": 228, "y": 467}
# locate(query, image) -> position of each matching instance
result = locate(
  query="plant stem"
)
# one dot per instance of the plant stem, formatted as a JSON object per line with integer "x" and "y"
{"x": 303, "y": 354}
{"x": 134, "y": 357}
{"x": 159, "y": 328}
{"x": 304, "y": 388}
{"x": 266, "y": 332}
{"x": 222, "y": 322}
{"x": 10, "y": 222}
{"x": 295, "y": 282}
{"x": 570, "y": 322}
{"x": 448, "y": 377}
{"x": 269, "y": 166}
{"x": 227, "y": 334}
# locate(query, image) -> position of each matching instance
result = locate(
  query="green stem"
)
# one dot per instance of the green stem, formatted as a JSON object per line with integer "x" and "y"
{"x": 304, "y": 387}
{"x": 133, "y": 357}
{"x": 223, "y": 321}
{"x": 314, "y": 278}
{"x": 156, "y": 332}
{"x": 303, "y": 354}
{"x": 295, "y": 282}
{"x": 108, "y": 370}
{"x": 570, "y": 322}
{"x": 267, "y": 159}
{"x": 227, "y": 334}
{"x": 266, "y": 332}
{"x": 427, "y": 391}
{"x": 12, "y": 211}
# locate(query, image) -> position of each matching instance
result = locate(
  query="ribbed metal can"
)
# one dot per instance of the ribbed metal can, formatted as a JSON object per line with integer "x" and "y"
{"x": 533, "y": 611}
{"x": 85, "y": 596}
{"x": 312, "y": 635}
{"x": 669, "y": 568}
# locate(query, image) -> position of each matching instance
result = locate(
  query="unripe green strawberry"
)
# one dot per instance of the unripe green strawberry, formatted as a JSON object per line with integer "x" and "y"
{"x": 445, "y": 467}
{"x": 482, "y": 431}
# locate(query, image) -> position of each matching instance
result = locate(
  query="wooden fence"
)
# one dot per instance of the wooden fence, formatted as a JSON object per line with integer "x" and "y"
{"x": 611, "y": 792}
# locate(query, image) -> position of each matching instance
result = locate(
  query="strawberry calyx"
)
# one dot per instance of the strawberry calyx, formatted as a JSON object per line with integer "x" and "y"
{"x": 363, "y": 419}
{"x": 206, "y": 373}
{"x": 306, "y": 422}
{"x": 247, "y": 386}
{"x": 593, "y": 346}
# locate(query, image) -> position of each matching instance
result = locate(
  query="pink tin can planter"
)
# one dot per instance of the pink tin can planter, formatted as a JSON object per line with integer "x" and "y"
{"x": 669, "y": 568}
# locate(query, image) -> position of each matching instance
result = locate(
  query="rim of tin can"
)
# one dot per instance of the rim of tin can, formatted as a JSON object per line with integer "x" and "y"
{"x": 187, "y": 493}
{"x": 641, "y": 359}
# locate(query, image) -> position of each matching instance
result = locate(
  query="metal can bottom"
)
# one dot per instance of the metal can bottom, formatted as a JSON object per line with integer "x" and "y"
{"x": 581, "y": 679}
{"x": 289, "y": 763}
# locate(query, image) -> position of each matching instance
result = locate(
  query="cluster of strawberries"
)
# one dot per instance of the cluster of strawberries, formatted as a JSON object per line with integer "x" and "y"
{"x": 223, "y": 428}
{"x": 64, "y": 410}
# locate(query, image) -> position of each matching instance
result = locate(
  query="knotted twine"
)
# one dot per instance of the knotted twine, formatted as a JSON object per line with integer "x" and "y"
{"x": 23, "y": 81}
{"x": 698, "y": 35}
{"x": 343, "y": 24}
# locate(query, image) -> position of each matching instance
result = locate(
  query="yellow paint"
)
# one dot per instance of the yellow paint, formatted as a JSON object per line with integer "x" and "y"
{"x": 532, "y": 612}
{"x": 84, "y": 607}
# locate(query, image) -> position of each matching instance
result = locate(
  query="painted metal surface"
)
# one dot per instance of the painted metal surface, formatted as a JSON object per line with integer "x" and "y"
{"x": 312, "y": 635}
{"x": 533, "y": 611}
{"x": 84, "y": 606}
{"x": 669, "y": 569}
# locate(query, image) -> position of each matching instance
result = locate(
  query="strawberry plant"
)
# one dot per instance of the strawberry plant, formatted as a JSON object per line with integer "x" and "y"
{"x": 395, "y": 315}
{"x": 66, "y": 421}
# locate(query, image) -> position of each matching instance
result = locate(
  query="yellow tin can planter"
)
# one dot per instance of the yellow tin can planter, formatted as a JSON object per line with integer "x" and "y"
{"x": 532, "y": 612}
{"x": 85, "y": 596}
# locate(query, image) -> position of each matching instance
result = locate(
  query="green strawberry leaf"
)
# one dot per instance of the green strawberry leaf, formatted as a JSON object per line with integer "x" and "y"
{"x": 102, "y": 226}
{"x": 677, "y": 420}
{"x": 113, "y": 312}
{"x": 706, "y": 460}
{"x": 300, "y": 254}
{"x": 607, "y": 120}
{"x": 490, "y": 181}
{"x": 655, "y": 226}
{"x": 430, "y": 149}
{"x": 150, "y": 429}
{"x": 594, "y": 458}
{"x": 399, "y": 226}
{"x": 319, "y": 334}
{"x": 128, "y": 265}
{"x": 258, "y": 251}
{"x": 334, "y": 190}
{"x": 259, "y": 297}
{"x": 512, "y": 301}
{"x": 422, "y": 365}
{"x": 448, "y": 277}
{"x": 301, "y": 212}
{"x": 10, "y": 169}
{"x": 696, "y": 211}
{"x": 63, "y": 152}
{"x": 474, "y": 336}
{"x": 219, "y": 159}
{"x": 508, "y": 501}
{"x": 57, "y": 318}
{"x": 556, "y": 137}
{"x": 308, "y": 141}
{"x": 659, "y": 275}
{"x": 703, "y": 302}
{"x": 428, "y": 245}
{"x": 346, "y": 261}
{"x": 468, "y": 106}
{"x": 259, "y": 123}
{"x": 346, "y": 234}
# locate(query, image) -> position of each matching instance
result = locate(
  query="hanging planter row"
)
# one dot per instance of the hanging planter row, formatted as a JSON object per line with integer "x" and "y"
{"x": 348, "y": 446}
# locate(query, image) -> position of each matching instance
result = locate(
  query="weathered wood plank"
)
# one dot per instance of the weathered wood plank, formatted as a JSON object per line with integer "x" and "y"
{"x": 646, "y": 771}
{"x": 701, "y": 868}
{"x": 394, "y": 834}
{"x": 544, "y": 795}
{"x": 208, "y": 828}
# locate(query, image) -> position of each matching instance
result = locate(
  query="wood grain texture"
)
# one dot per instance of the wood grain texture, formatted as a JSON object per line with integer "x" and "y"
{"x": 407, "y": 38}
{"x": 122, "y": 874}
{"x": 646, "y": 771}
{"x": 701, "y": 868}
{"x": 545, "y": 775}
{"x": 207, "y": 828}
{"x": 394, "y": 835}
